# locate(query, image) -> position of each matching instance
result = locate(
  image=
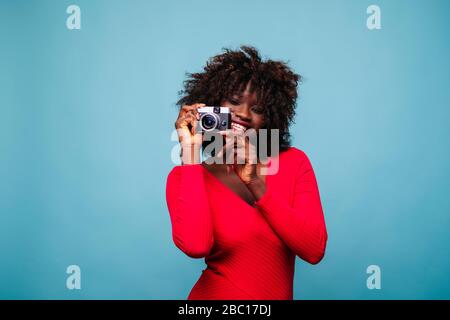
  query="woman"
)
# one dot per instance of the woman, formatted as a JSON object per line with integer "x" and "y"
{"x": 247, "y": 225}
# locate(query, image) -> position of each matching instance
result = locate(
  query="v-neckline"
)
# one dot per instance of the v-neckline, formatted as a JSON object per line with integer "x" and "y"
{"x": 228, "y": 189}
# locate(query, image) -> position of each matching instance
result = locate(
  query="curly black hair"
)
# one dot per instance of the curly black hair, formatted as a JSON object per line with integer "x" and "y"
{"x": 229, "y": 73}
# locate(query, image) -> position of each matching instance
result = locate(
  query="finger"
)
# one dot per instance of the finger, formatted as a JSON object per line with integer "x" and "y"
{"x": 226, "y": 132}
{"x": 194, "y": 113}
{"x": 193, "y": 122}
{"x": 189, "y": 118}
{"x": 253, "y": 153}
{"x": 226, "y": 149}
{"x": 192, "y": 106}
{"x": 185, "y": 108}
{"x": 183, "y": 122}
{"x": 221, "y": 152}
{"x": 250, "y": 151}
{"x": 240, "y": 148}
{"x": 188, "y": 113}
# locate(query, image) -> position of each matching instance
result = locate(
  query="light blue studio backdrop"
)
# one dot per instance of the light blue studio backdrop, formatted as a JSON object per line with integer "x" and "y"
{"x": 86, "y": 118}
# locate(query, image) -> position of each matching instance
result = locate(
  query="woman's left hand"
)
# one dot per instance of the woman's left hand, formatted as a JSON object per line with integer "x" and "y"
{"x": 245, "y": 164}
{"x": 245, "y": 160}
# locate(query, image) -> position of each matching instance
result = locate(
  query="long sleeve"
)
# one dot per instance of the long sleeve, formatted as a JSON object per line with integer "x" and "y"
{"x": 190, "y": 215}
{"x": 302, "y": 225}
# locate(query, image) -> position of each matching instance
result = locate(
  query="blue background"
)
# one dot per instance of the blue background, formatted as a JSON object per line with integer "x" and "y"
{"x": 85, "y": 149}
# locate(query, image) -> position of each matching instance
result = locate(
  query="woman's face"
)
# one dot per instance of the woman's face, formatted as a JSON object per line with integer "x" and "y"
{"x": 244, "y": 110}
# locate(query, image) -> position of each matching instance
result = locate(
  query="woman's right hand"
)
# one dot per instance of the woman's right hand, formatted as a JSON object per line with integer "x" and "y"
{"x": 189, "y": 139}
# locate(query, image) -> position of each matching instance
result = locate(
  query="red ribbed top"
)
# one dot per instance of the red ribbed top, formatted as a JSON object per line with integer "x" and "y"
{"x": 249, "y": 250}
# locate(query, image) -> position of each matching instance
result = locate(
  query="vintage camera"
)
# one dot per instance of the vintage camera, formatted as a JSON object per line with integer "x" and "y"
{"x": 213, "y": 118}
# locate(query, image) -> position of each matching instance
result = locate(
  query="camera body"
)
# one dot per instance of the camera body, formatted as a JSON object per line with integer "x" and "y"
{"x": 213, "y": 118}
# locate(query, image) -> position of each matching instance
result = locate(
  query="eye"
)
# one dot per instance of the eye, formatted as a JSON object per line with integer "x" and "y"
{"x": 234, "y": 101}
{"x": 257, "y": 109}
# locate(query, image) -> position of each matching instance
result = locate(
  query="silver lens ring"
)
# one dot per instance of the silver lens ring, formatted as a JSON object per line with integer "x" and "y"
{"x": 212, "y": 119}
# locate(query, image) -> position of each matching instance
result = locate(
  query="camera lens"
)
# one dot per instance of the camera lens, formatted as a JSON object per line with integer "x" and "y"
{"x": 208, "y": 122}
